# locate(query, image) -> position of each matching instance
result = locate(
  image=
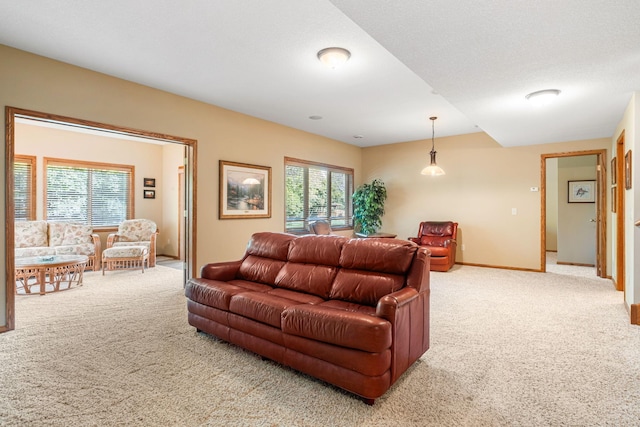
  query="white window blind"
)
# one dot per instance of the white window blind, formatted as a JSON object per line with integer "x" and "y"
{"x": 94, "y": 194}
{"x": 24, "y": 188}
{"x": 317, "y": 192}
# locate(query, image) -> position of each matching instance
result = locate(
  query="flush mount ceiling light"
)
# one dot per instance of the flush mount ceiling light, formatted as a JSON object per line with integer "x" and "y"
{"x": 433, "y": 169}
{"x": 334, "y": 57}
{"x": 543, "y": 97}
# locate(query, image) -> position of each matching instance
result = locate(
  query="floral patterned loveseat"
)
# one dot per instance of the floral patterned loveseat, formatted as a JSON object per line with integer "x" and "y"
{"x": 45, "y": 238}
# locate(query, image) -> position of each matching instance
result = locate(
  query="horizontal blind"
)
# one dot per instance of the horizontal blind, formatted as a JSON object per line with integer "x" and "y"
{"x": 23, "y": 190}
{"x": 97, "y": 196}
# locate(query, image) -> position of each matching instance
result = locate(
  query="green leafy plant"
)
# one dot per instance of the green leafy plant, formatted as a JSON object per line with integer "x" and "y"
{"x": 368, "y": 206}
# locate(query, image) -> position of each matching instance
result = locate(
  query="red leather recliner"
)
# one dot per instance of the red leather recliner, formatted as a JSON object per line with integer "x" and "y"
{"x": 440, "y": 238}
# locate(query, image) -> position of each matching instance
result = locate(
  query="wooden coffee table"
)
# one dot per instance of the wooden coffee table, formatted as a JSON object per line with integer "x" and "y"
{"x": 51, "y": 273}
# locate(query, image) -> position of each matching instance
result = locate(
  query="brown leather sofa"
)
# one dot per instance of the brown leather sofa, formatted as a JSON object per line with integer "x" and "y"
{"x": 440, "y": 238}
{"x": 351, "y": 312}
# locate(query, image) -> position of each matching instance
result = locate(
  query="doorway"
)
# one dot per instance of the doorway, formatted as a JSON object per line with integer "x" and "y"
{"x": 582, "y": 237}
{"x": 187, "y": 221}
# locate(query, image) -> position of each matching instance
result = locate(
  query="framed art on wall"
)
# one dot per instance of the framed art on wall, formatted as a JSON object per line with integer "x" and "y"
{"x": 627, "y": 170}
{"x": 149, "y": 182}
{"x": 149, "y": 194}
{"x": 582, "y": 191}
{"x": 245, "y": 191}
{"x": 614, "y": 171}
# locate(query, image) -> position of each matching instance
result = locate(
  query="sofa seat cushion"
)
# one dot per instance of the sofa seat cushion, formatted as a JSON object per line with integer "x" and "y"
{"x": 126, "y": 244}
{"x": 260, "y": 306}
{"x": 35, "y": 251}
{"x": 79, "y": 249}
{"x": 215, "y": 293}
{"x": 333, "y": 325}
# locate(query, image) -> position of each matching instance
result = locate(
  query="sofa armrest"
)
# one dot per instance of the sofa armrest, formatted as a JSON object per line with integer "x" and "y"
{"x": 408, "y": 312}
{"x": 389, "y": 304}
{"x": 415, "y": 240}
{"x": 223, "y": 271}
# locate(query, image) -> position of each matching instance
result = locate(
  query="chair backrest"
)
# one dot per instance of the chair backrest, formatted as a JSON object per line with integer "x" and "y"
{"x": 136, "y": 230}
{"x": 438, "y": 228}
{"x": 321, "y": 227}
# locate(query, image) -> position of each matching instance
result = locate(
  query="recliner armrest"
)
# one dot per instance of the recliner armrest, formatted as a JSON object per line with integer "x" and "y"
{"x": 415, "y": 240}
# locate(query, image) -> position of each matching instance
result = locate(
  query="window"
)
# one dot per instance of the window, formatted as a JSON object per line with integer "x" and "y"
{"x": 316, "y": 191}
{"x": 24, "y": 187}
{"x": 91, "y": 193}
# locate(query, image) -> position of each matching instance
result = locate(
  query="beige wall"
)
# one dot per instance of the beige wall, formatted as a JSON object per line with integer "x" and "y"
{"x": 483, "y": 183}
{"x": 630, "y": 124}
{"x": 147, "y": 159}
{"x": 32, "y": 82}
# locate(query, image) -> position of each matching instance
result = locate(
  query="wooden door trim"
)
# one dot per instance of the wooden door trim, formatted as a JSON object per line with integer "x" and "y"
{"x": 601, "y": 245}
{"x": 10, "y": 116}
{"x": 620, "y": 216}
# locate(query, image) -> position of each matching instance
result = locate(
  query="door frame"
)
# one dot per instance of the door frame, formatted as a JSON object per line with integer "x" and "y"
{"x": 601, "y": 211}
{"x": 11, "y": 113}
{"x": 620, "y": 215}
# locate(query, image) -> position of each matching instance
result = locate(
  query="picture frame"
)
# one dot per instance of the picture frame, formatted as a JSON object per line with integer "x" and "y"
{"x": 245, "y": 190}
{"x": 582, "y": 191}
{"x": 149, "y": 182}
{"x": 627, "y": 170}
{"x": 149, "y": 194}
{"x": 614, "y": 171}
{"x": 614, "y": 199}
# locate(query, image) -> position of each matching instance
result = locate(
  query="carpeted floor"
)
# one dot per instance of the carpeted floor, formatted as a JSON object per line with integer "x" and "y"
{"x": 508, "y": 348}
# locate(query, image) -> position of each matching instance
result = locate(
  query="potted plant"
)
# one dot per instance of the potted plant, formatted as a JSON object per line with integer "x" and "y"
{"x": 368, "y": 206}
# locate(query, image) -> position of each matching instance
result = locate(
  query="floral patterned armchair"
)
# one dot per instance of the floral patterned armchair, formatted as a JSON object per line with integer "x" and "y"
{"x": 136, "y": 232}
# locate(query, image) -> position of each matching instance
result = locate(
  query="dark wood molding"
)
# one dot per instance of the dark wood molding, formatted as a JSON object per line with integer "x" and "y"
{"x": 634, "y": 310}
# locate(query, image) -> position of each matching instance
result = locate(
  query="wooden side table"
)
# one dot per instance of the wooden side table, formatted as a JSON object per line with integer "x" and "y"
{"x": 376, "y": 235}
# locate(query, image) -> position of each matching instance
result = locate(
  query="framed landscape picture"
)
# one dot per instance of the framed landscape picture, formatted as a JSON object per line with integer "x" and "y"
{"x": 582, "y": 191}
{"x": 245, "y": 191}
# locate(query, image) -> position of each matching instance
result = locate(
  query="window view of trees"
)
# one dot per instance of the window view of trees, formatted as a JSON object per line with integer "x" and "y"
{"x": 317, "y": 192}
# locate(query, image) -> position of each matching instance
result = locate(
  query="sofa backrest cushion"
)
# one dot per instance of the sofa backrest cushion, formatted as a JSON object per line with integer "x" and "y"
{"x": 308, "y": 278}
{"x": 312, "y": 264}
{"x": 136, "y": 230}
{"x": 364, "y": 287}
{"x": 392, "y": 256}
{"x": 371, "y": 269}
{"x": 266, "y": 254}
{"x": 270, "y": 245}
{"x": 321, "y": 249}
{"x": 30, "y": 234}
{"x": 69, "y": 233}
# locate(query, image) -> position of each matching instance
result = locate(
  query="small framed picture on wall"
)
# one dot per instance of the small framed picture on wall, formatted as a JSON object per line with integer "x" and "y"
{"x": 627, "y": 170}
{"x": 149, "y": 194}
{"x": 149, "y": 182}
{"x": 582, "y": 191}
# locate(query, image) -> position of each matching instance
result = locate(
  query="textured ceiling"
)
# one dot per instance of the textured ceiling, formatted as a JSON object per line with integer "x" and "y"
{"x": 469, "y": 63}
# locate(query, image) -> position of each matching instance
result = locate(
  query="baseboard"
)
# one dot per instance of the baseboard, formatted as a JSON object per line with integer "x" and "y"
{"x": 534, "y": 270}
{"x": 575, "y": 263}
{"x": 635, "y": 314}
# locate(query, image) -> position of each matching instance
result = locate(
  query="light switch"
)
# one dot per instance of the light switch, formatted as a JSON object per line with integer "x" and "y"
{"x": 514, "y": 211}
{"x": 533, "y": 189}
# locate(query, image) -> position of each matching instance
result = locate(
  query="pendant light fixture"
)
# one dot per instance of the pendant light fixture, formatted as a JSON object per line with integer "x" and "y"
{"x": 433, "y": 169}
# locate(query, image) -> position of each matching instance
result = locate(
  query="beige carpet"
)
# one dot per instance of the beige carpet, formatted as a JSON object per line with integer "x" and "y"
{"x": 508, "y": 349}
